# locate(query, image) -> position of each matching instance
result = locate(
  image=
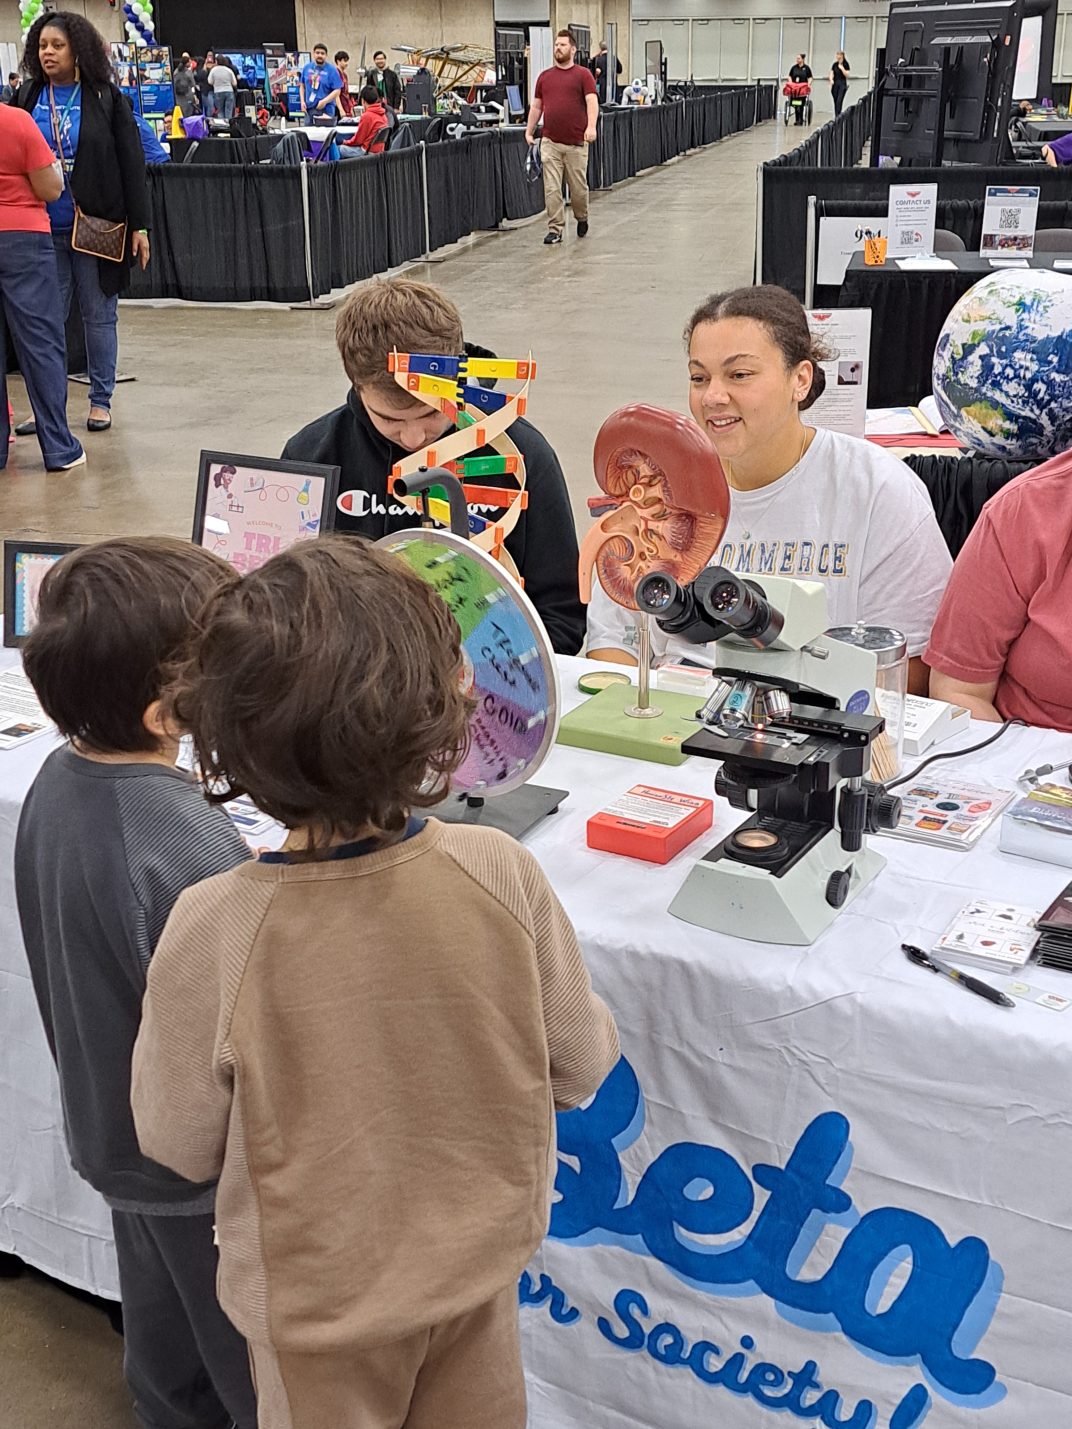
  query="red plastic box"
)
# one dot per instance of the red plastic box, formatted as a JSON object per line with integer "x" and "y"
{"x": 650, "y": 824}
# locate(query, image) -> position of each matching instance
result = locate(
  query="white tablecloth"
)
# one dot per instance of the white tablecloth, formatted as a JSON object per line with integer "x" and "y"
{"x": 937, "y": 1276}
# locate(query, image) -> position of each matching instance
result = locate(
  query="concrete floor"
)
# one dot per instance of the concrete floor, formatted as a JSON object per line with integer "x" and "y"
{"x": 604, "y": 319}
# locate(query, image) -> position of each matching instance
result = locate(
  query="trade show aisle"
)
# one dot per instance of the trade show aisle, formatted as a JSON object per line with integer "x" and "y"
{"x": 604, "y": 318}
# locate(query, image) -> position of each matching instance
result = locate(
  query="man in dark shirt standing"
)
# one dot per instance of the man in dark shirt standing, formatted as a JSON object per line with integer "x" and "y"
{"x": 566, "y": 98}
{"x": 386, "y": 81}
{"x": 602, "y": 64}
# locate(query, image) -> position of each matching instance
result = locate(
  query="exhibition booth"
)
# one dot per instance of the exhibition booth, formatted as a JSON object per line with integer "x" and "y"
{"x": 227, "y": 231}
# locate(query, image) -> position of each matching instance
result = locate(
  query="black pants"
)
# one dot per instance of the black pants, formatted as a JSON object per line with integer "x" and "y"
{"x": 839, "y": 92}
{"x": 186, "y": 1364}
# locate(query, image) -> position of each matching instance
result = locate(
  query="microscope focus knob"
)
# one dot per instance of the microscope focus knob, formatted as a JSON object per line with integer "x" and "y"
{"x": 837, "y": 886}
{"x": 885, "y": 812}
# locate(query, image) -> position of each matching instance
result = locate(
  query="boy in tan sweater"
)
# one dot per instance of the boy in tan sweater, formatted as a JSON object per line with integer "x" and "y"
{"x": 365, "y": 1036}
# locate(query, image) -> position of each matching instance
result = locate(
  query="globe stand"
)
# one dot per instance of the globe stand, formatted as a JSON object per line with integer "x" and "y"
{"x": 515, "y": 813}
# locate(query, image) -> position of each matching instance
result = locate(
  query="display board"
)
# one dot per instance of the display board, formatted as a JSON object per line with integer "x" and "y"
{"x": 155, "y": 81}
{"x": 275, "y": 70}
{"x": 250, "y": 508}
{"x": 251, "y": 66}
{"x": 296, "y": 62}
{"x": 125, "y": 64}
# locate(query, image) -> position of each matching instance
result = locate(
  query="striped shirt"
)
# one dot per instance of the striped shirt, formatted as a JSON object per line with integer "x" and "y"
{"x": 102, "y": 853}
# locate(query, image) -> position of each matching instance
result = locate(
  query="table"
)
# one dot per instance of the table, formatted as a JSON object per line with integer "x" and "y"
{"x": 908, "y": 311}
{"x": 943, "y": 1120}
{"x": 1043, "y": 130}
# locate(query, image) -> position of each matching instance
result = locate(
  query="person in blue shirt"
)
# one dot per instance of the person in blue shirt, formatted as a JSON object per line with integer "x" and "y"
{"x": 321, "y": 85}
{"x": 154, "y": 151}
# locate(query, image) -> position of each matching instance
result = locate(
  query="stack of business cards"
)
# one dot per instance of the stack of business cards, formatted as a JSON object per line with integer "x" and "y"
{"x": 948, "y": 812}
{"x": 996, "y": 936}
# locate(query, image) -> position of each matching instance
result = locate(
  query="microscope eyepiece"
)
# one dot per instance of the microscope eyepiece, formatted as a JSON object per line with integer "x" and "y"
{"x": 657, "y": 593}
{"x": 741, "y": 605}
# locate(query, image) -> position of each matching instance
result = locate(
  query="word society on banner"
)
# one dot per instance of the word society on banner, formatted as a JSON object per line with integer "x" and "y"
{"x": 941, "y": 1311}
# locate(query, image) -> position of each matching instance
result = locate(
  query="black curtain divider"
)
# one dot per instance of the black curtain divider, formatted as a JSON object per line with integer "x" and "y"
{"x": 224, "y": 150}
{"x": 959, "y": 488}
{"x": 522, "y": 198}
{"x": 786, "y": 191}
{"x": 235, "y": 232}
{"x": 224, "y": 235}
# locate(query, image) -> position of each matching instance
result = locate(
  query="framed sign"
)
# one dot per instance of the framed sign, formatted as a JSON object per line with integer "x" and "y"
{"x": 26, "y": 563}
{"x": 250, "y": 508}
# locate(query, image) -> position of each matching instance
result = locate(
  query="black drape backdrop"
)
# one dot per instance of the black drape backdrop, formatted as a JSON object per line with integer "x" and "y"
{"x": 959, "y": 488}
{"x": 236, "y": 233}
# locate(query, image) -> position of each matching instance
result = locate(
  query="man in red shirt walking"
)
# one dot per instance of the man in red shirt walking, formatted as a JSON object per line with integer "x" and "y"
{"x": 566, "y": 98}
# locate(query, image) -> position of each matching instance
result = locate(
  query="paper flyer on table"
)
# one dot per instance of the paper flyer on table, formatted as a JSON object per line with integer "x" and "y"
{"x": 21, "y": 715}
{"x": 1010, "y": 216}
{"x": 839, "y": 239}
{"x": 845, "y": 333}
{"x": 910, "y": 221}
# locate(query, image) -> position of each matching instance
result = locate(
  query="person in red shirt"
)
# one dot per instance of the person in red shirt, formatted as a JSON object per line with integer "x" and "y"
{"x": 347, "y": 103}
{"x": 30, "y": 304}
{"x": 1001, "y": 645}
{"x": 370, "y": 127}
{"x": 566, "y": 98}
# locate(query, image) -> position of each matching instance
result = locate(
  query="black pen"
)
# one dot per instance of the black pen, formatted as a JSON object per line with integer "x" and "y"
{"x": 971, "y": 984}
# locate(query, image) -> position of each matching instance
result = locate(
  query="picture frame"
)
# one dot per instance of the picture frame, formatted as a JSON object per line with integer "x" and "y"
{"x": 25, "y": 565}
{"x": 249, "y": 508}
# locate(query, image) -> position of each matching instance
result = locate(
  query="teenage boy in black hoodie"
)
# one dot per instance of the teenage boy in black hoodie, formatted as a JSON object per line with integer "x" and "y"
{"x": 378, "y": 425}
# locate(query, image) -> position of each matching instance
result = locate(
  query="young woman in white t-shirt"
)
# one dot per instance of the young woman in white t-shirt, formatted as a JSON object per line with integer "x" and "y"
{"x": 806, "y": 503}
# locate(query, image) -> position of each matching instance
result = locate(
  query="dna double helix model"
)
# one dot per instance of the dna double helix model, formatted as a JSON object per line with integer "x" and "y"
{"x": 481, "y": 418}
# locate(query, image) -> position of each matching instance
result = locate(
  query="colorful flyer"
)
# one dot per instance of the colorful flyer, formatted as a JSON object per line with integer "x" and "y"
{"x": 1010, "y": 217}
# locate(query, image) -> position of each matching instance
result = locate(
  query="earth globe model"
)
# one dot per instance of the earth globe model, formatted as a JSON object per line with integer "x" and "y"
{"x": 1003, "y": 365}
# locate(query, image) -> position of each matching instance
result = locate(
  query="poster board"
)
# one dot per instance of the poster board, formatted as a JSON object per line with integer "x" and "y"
{"x": 296, "y": 62}
{"x": 846, "y": 334}
{"x": 125, "y": 64}
{"x": 839, "y": 239}
{"x": 155, "y": 81}
{"x": 250, "y": 508}
{"x": 276, "y": 74}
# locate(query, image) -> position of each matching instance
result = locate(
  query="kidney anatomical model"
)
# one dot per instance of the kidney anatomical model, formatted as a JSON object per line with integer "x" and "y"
{"x": 665, "y": 506}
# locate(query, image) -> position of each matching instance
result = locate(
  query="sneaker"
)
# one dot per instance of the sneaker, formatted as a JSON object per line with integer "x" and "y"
{"x": 553, "y": 238}
{"x": 80, "y": 460}
{"x": 582, "y": 228}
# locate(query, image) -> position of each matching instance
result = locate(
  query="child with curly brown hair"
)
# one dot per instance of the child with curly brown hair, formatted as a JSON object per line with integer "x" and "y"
{"x": 366, "y": 1035}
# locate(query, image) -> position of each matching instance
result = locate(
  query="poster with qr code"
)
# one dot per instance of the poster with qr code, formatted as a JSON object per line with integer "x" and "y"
{"x": 1010, "y": 216}
{"x": 910, "y": 221}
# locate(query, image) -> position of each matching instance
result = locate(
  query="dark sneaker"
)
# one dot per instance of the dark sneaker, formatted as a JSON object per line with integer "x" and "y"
{"x": 553, "y": 238}
{"x": 582, "y": 228}
{"x": 26, "y": 429}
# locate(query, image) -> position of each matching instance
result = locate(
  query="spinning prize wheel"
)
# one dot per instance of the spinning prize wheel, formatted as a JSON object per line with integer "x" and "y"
{"x": 509, "y": 669}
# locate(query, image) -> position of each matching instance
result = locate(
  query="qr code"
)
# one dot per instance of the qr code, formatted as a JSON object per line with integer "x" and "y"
{"x": 1009, "y": 221}
{"x": 909, "y": 237}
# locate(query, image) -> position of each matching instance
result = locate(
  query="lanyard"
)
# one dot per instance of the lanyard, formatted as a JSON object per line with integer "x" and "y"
{"x": 58, "y": 123}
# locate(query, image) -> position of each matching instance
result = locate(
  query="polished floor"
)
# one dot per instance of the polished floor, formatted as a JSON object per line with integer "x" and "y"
{"x": 603, "y": 317}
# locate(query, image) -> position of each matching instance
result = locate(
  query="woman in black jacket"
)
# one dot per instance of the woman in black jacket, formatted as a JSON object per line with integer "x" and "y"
{"x": 70, "y": 92}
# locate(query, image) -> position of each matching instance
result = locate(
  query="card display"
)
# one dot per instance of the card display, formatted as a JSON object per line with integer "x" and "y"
{"x": 948, "y": 813}
{"x": 984, "y": 934}
{"x": 251, "y": 508}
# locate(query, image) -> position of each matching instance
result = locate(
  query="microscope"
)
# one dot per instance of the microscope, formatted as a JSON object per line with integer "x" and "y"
{"x": 788, "y": 722}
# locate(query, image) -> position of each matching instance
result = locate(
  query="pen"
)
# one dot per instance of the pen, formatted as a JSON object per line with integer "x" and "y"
{"x": 971, "y": 984}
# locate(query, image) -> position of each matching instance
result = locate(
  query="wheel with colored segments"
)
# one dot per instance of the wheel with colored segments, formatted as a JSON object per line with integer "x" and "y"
{"x": 509, "y": 663}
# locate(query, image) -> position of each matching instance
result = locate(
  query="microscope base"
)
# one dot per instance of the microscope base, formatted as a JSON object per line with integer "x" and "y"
{"x": 729, "y": 897}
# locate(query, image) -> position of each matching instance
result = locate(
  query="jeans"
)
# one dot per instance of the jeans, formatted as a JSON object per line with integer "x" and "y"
{"x": 79, "y": 273}
{"x": 224, "y": 100}
{"x": 208, "y": 108}
{"x": 33, "y": 308}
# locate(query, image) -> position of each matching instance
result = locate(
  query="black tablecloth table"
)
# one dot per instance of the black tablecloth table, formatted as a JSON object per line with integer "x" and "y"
{"x": 908, "y": 310}
{"x": 224, "y": 150}
{"x": 1043, "y": 131}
